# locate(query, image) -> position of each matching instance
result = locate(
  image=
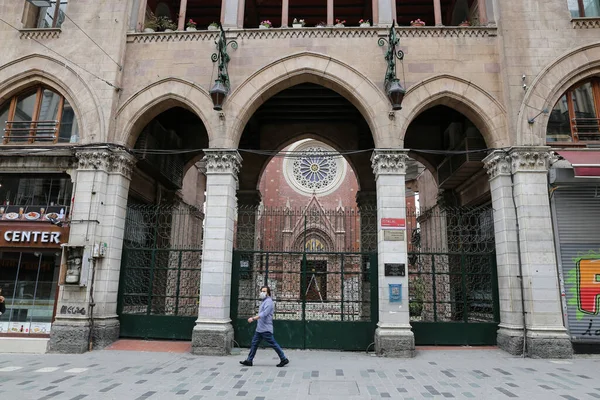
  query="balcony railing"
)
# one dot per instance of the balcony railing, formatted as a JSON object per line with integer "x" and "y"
{"x": 30, "y": 131}
{"x": 585, "y": 129}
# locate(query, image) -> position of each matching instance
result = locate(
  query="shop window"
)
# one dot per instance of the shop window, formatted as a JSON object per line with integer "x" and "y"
{"x": 38, "y": 115}
{"x": 584, "y": 8}
{"x": 163, "y": 15}
{"x": 44, "y": 13}
{"x": 34, "y": 198}
{"x": 576, "y": 115}
{"x": 29, "y": 283}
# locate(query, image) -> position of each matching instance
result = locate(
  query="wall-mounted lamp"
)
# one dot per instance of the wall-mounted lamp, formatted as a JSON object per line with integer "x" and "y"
{"x": 393, "y": 89}
{"x": 220, "y": 89}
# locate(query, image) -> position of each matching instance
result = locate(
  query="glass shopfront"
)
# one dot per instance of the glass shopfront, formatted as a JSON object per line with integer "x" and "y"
{"x": 29, "y": 282}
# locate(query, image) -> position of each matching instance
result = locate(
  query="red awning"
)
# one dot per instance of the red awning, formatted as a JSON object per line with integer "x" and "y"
{"x": 586, "y": 163}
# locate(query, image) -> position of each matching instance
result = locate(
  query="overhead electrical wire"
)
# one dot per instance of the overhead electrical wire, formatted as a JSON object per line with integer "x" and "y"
{"x": 70, "y": 61}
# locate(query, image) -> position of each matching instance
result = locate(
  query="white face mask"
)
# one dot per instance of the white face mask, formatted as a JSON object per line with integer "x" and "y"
{"x": 263, "y": 295}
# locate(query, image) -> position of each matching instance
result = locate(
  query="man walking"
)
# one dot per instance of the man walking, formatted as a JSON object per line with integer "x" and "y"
{"x": 264, "y": 329}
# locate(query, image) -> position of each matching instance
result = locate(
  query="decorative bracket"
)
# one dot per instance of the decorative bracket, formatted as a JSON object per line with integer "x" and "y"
{"x": 222, "y": 57}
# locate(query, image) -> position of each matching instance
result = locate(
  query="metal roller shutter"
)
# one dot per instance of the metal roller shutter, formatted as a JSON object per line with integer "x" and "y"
{"x": 576, "y": 211}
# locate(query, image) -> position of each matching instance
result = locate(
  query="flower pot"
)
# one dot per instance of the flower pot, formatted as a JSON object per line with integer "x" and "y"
{"x": 465, "y": 24}
{"x": 263, "y": 27}
{"x": 417, "y": 24}
{"x": 213, "y": 27}
{"x": 339, "y": 25}
{"x": 190, "y": 29}
{"x": 296, "y": 25}
{"x": 365, "y": 25}
{"x": 168, "y": 30}
{"x": 320, "y": 26}
{"x": 148, "y": 30}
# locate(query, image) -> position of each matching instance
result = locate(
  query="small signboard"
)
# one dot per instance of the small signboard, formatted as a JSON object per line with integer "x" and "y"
{"x": 395, "y": 292}
{"x": 393, "y": 223}
{"x": 394, "y": 269}
{"x": 393, "y": 235}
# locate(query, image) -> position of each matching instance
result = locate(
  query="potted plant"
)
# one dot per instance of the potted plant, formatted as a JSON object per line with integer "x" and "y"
{"x": 364, "y": 23}
{"x": 190, "y": 26}
{"x": 151, "y": 24}
{"x": 298, "y": 23}
{"x": 465, "y": 23}
{"x": 339, "y": 23}
{"x": 165, "y": 24}
{"x": 266, "y": 24}
{"x": 213, "y": 26}
{"x": 321, "y": 24}
{"x": 417, "y": 22}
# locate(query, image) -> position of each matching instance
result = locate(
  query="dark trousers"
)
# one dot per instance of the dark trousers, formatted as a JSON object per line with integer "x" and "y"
{"x": 267, "y": 337}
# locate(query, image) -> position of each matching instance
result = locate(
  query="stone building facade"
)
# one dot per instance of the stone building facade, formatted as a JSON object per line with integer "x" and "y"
{"x": 134, "y": 94}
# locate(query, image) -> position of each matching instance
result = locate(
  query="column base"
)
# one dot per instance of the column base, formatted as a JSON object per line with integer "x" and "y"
{"x": 549, "y": 344}
{"x": 394, "y": 342}
{"x": 105, "y": 333}
{"x": 210, "y": 339}
{"x": 69, "y": 337}
{"x": 540, "y": 344}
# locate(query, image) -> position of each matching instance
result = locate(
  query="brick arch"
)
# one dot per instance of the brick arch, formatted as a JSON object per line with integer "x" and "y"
{"x": 301, "y": 68}
{"x": 37, "y": 69}
{"x": 480, "y": 107}
{"x": 549, "y": 85}
{"x": 139, "y": 109}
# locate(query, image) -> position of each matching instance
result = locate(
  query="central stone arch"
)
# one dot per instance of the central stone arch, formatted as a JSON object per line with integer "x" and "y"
{"x": 307, "y": 67}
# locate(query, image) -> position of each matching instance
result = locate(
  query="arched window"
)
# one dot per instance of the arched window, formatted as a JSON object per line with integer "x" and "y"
{"x": 576, "y": 115}
{"x": 38, "y": 115}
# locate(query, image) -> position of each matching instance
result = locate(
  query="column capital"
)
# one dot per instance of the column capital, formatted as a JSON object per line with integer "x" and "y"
{"x": 389, "y": 162}
{"x": 530, "y": 159}
{"x": 222, "y": 161}
{"x": 105, "y": 159}
{"x": 518, "y": 159}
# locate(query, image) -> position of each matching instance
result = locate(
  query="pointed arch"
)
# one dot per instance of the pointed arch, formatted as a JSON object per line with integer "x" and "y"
{"x": 139, "y": 109}
{"x": 36, "y": 69}
{"x": 301, "y": 68}
{"x": 479, "y": 106}
{"x": 554, "y": 80}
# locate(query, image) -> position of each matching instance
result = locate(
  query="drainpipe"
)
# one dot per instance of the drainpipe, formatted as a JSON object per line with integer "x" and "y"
{"x": 521, "y": 284}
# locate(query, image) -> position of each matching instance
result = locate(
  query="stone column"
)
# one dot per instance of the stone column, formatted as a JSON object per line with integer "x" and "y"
{"x": 437, "y": 12}
{"x": 229, "y": 13}
{"x": 98, "y": 215}
{"x": 245, "y": 234}
{"x": 393, "y": 337}
{"x": 213, "y": 333}
{"x": 518, "y": 183}
{"x": 385, "y": 12}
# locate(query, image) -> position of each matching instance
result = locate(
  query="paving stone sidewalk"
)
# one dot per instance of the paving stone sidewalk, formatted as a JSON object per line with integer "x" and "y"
{"x": 311, "y": 375}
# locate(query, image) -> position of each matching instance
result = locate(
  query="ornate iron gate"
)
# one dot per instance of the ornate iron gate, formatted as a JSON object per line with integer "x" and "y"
{"x": 324, "y": 287}
{"x": 453, "y": 287}
{"x": 160, "y": 271}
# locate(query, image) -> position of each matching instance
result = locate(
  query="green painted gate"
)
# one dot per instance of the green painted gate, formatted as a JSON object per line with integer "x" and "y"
{"x": 453, "y": 283}
{"x": 160, "y": 271}
{"x": 325, "y": 294}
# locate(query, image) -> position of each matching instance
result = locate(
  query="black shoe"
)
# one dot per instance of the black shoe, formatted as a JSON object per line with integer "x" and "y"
{"x": 283, "y": 363}
{"x": 246, "y": 363}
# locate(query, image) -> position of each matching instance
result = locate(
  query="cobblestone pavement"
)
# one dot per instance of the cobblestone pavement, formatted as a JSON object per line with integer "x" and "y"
{"x": 461, "y": 373}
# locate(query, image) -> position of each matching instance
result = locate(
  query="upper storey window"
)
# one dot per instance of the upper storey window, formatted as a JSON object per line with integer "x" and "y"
{"x": 584, "y": 8}
{"x": 168, "y": 15}
{"x": 44, "y": 13}
{"x": 38, "y": 115}
{"x": 576, "y": 115}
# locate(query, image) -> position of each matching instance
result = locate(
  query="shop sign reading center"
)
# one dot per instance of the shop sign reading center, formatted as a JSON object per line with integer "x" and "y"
{"x": 31, "y": 237}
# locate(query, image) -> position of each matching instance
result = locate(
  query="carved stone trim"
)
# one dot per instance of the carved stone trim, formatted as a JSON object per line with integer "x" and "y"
{"x": 49, "y": 33}
{"x": 530, "y": 159}
{"x": 119, "y": 162}
{"x": 497, "y": 163}
{"x": 586, "y": 23}
{"x": 313, "y": 32}
{"x": 222, "y": 162}
{"x": 389, "y": 162}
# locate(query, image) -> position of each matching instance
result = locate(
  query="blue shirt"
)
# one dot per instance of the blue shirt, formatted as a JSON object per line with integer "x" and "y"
{"x": 265, "y": 312}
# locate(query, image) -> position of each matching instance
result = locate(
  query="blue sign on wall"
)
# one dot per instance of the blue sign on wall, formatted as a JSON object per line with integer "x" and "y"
{"x": 395, "y": 292}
